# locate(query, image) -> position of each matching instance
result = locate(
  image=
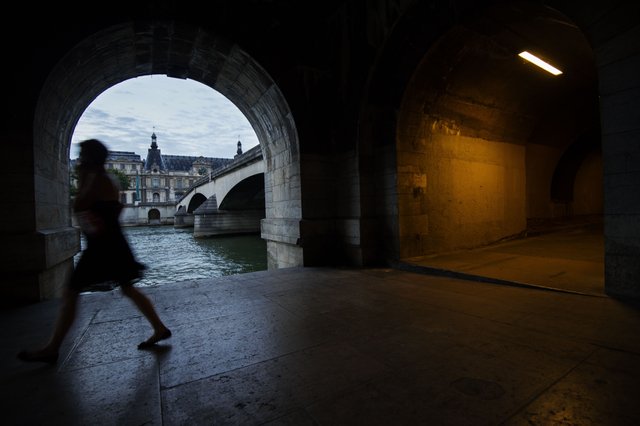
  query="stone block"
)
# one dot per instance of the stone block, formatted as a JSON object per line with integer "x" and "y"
{"x": 622, "y": 269}
{"x": 624, "y": 227}
{"x": 621, "y": 152}
{"x": 280, "y": 230}
{"x": 621, "y": 75}
{"x": 609, "y": 20}
{"x": 53, "y": 281}
{"x": 621, "y": 197}
{"x": 60, "y": 244}
{"x": 620, "y": 112}
{"x": 227, "y": 223}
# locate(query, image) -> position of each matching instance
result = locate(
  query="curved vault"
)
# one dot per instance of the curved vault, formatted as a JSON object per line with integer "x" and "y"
{"x": 480, "y": 131}
{"x": 182, "y": 51}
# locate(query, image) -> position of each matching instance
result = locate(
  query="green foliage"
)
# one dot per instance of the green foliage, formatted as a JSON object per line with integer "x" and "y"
{"x": 202, "y": 171}
{"x": 73, "y": 189}
{"x": 122, "y": 178}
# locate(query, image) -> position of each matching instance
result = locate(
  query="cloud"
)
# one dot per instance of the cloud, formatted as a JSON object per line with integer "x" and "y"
{"x": 187, "y": 117}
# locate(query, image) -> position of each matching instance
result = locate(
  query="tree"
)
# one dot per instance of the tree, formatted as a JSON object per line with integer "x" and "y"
{"x": 123, "y": 179}
{"x": 73, "y": 181}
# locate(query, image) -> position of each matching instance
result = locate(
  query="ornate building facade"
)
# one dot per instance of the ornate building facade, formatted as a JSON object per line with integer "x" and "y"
{"x": 157, "y": 182}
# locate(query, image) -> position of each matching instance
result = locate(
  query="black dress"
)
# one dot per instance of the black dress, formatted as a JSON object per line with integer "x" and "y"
{"x": 108, "y": 257}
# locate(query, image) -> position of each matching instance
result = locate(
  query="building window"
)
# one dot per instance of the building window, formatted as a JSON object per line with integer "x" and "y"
{"x": 155, "y": 182}
{"x": 123, "y": 198}
{"x": 179, "y": 183}
{"x": 156, "y": 197}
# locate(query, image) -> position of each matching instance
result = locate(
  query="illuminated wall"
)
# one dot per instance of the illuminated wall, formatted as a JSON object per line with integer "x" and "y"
{"x": 460, "y": 192}
{"x": 486, "y": 141}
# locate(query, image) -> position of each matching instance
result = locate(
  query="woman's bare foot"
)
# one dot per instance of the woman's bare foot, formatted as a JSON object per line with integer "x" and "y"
{"x": 157, "y": 336}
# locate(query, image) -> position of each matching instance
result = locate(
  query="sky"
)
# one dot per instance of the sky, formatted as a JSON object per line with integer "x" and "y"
{"x": 187, "y": 117}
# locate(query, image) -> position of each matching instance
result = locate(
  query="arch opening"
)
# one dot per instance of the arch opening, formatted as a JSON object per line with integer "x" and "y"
{"x": 153, "y": 217}
{"x": 196, "y": 201}
{"x": 246, "y": 195}
{"x": 178, "y": 50}
{"x": 491, "y": 148}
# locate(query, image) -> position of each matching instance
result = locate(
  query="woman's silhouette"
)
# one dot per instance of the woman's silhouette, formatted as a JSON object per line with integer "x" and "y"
{"x": 107, "y": 257}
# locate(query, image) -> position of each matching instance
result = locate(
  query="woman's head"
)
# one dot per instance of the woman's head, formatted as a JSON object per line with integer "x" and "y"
{"x": 93, "y": 153}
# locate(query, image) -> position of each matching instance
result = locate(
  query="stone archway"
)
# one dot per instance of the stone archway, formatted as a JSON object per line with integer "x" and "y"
{"x": 485, "y": 117}
{"x": 183, "y": 51}
{"x": 196, "y": 201}
{"x": 392, "y": 138}
{"x": 153, "y": 217}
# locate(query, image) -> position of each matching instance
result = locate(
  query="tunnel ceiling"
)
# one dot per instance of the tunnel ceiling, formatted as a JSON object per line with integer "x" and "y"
{"x": 484, "y": 88}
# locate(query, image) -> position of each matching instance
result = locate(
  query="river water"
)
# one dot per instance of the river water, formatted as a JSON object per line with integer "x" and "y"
{"x": 173, "y": 255}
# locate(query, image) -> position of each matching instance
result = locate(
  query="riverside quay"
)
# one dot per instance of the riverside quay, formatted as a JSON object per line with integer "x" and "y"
{"x": 449, "y": 200}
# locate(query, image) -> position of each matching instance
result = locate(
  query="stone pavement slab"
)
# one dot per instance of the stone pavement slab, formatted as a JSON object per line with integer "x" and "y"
{"x": 569, "y": 259}
{"x": 323, "y": 346}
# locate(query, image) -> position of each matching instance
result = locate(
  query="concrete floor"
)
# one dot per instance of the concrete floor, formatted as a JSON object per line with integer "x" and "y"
{"x": 306, "y": 346}
{"x": 568, "y": 257}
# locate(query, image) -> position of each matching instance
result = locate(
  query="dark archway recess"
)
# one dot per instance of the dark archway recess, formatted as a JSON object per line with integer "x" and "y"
{"x": 196, "y": 201}
{"x": 339, "y": 93}
{"x": 246, "y": 195}
{"x": 450, "y": 74}
{"x": 154, "y": 216}
{"x": 179, "y": 50}
{"x": 477, "y": 122}
{"x": 573, "y": 158}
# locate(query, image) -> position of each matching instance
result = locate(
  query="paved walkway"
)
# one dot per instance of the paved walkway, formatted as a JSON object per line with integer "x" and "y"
{"x": 307, "y": 346}
{"x": 567, "y": 257}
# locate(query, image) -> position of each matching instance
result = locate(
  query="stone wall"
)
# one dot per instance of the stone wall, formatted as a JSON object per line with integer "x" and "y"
{"x": 338, "y": 95}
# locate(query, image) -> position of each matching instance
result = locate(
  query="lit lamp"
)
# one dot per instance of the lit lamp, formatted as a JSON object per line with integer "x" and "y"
{"x": 539, "y": 62}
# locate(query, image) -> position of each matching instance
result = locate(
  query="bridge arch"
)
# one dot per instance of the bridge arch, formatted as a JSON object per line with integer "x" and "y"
{"x": 453, "y": 75}
{"x": 195, "y": 202}
{"x": 247, "y": 194}
{"x": 488, "y": 117}
{"x": 144, "y": 47}
{"x": 356, "y": 157}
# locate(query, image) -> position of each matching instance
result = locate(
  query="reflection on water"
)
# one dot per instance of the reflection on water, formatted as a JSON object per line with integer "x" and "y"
{"x": 173, "y": 255}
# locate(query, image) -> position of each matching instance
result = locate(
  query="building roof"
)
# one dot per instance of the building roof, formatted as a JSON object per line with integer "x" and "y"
{"x": 181, "y": 163}
{"x": 154, "y": 159}
{"x": 123, "y": 156}
{"x": 184, "y": 163}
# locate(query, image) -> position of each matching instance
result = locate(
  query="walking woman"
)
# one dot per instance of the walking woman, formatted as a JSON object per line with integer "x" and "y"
{"x": 107, "y": 257}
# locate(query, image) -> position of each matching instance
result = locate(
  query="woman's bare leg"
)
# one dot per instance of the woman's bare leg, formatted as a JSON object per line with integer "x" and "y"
{"x": 145, "y": 306}
{"x": 66, "y": 317}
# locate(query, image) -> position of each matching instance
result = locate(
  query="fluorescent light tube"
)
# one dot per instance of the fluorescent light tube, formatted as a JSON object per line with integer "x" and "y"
{"x": 539, "y": 62}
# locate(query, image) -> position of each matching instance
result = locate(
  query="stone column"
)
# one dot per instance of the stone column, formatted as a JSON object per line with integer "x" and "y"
{"x": 618, "y": 58}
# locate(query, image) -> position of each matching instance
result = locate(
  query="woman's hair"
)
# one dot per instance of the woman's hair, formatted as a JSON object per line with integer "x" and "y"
{"x": 93, "y": 152}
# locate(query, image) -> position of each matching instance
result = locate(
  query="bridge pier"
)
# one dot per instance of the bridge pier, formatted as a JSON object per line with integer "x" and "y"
{"x": 182, "y": 219}
{"x": 37, "y": 265}
{"x": 283, "y": 242}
